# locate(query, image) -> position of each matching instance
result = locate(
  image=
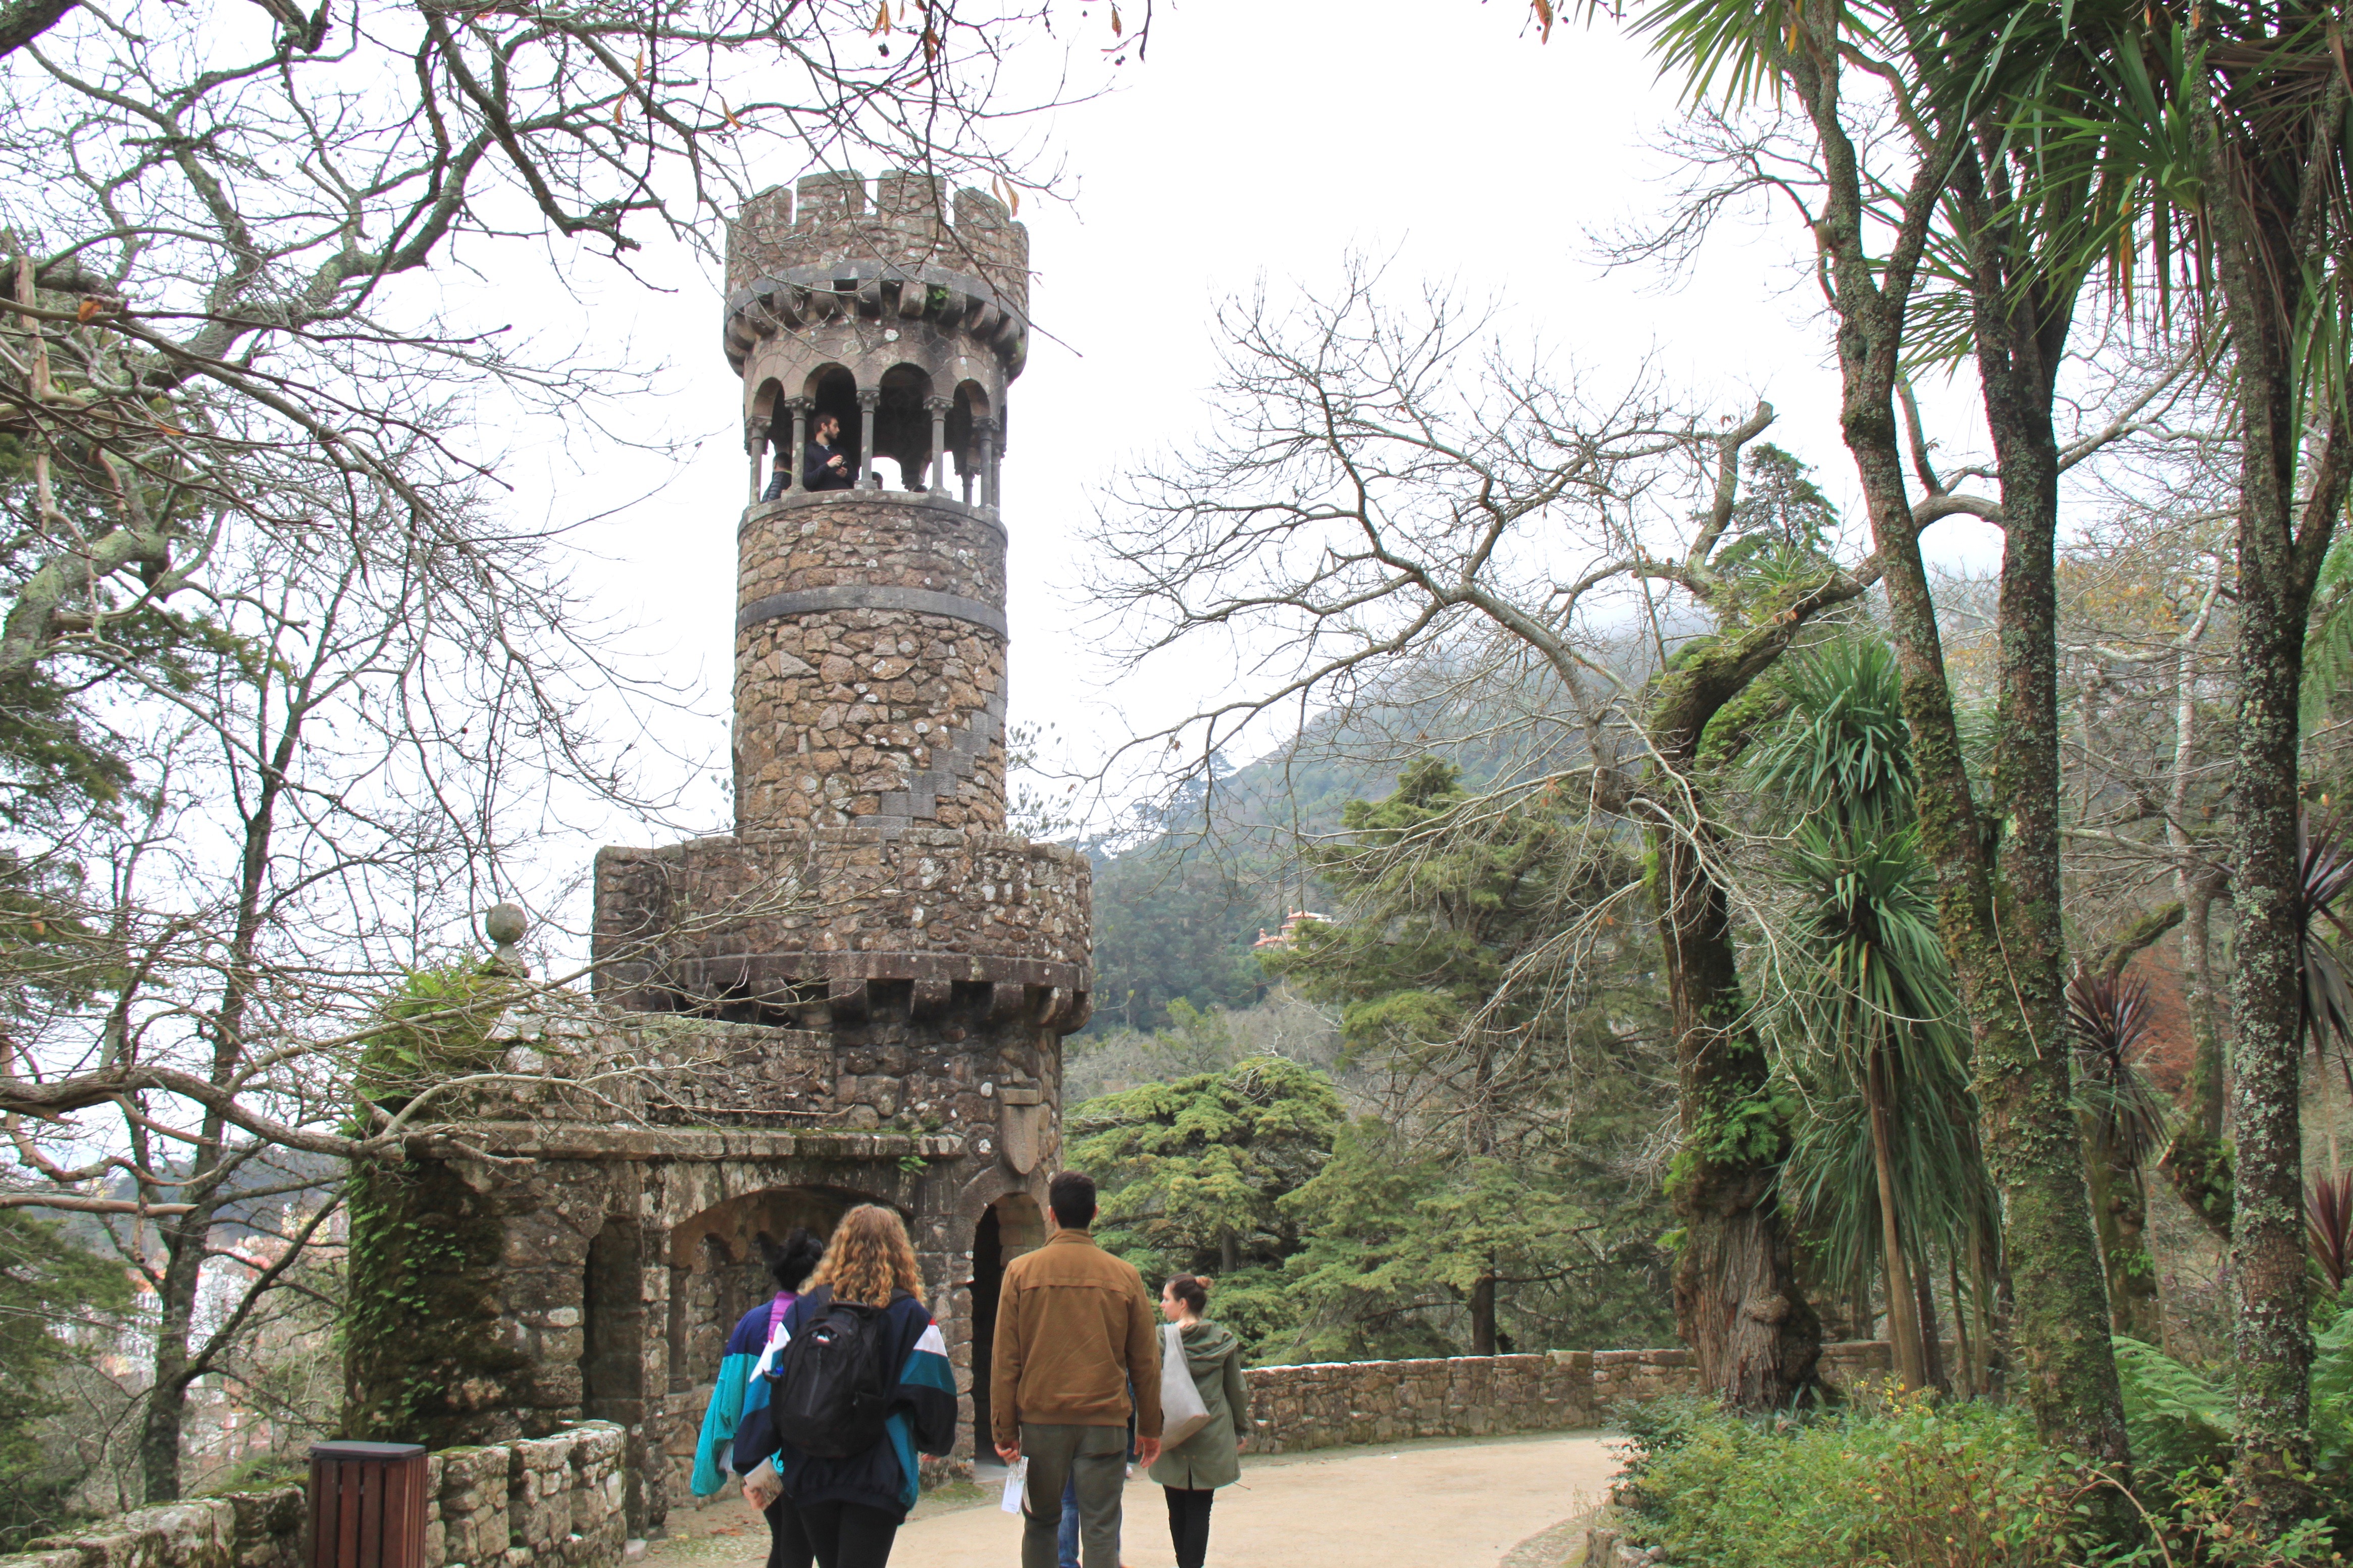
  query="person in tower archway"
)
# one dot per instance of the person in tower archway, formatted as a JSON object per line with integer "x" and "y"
{"x": 824, "y": 466}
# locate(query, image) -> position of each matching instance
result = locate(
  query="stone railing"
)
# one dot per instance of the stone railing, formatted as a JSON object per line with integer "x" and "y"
{"x": 545, "y": 1503}
{"x": 1329, "y": 1404}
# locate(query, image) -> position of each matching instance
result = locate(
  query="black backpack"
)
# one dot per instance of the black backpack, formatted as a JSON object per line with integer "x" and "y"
{"x": 829, "y": 1391}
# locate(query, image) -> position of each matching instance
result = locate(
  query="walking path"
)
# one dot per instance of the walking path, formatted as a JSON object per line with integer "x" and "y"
{"x": 1459, "y": 1503}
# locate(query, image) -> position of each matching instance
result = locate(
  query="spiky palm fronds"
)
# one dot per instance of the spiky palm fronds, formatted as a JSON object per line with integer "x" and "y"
{"x": 1874, "y": 993}
{"x": 2328, "y": 640}
{"x": 2323, "y": 904}
{"x": 2109, "y": 1018}
{"x": 1842, "y": 750}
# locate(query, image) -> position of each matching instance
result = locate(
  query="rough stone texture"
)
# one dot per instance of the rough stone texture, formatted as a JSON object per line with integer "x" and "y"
{"x": 858, "y": 997}
{"x": 1329, "y": 1404}
{"x": 1325, "y": 1404}
{"x": 876, "y": 708}
{"x": 839, "y": 259}
{"x": 782, "y": 928}
{"x": 196, "y": 1534}
{"x": 555, "y": 1503}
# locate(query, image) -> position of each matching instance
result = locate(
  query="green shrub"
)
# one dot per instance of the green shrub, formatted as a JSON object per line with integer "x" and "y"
{"x": 1891, "y": 1482}
{"x": 437, "y": 1027}
{"x": 2179, "y": 1419}
{"x": 1900, "y": 1482}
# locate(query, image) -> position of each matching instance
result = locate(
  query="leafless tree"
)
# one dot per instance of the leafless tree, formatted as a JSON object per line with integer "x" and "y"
{"x": 1390, "y": 494}
{"x": 378, "y": 737}
{"x": 222, "y": 219}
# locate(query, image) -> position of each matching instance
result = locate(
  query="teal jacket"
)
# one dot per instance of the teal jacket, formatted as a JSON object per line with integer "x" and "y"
{"x": 745, "y": 1347}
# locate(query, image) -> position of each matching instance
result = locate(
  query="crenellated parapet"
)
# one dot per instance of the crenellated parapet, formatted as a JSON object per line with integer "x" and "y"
{"x": 905, "y": 326}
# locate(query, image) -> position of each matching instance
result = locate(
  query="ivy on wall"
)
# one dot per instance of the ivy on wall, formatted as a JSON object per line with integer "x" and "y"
{"x": 423, "y": 1348}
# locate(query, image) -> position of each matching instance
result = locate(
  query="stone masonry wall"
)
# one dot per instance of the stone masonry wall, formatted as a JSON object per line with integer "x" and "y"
{"x": 721, "y": 918}
{"x": 549, "y": 1502}
{"x": 1326, "y": 1405}
{"x": 870, "y": 664}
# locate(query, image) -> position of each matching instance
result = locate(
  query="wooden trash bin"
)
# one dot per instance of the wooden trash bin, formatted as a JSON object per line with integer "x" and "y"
{"x": 367, "y": 1505}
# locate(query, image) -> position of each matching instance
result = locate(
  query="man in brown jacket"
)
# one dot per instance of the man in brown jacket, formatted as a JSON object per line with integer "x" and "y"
{"x": 1075, "y": 1332}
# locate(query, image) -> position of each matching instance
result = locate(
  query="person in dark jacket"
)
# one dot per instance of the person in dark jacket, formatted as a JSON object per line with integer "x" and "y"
{"x": 844, "y": 1512}
{"x": 790, "y": 1266}
{"x": 1191, "y": 1471}
{"x": 824, "y": 466}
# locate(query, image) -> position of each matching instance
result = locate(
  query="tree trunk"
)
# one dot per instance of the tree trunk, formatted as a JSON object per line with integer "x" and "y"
{"x": 2263, "y": 256}
{"x": 1902, "y": 1301}
{"x": 165, "y": 1414}
{"x": 1483, "y": 1312}
{"x": 2120, "y": 1212}
{"x": 1738, "y": 1303}
{"x": 2196, "y": 1161}
{"x": 2014, "y": 962}
{"x": 1932, "y": 1350}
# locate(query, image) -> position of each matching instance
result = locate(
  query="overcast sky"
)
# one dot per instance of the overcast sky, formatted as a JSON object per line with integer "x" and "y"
{"x": 1256, "y": 141}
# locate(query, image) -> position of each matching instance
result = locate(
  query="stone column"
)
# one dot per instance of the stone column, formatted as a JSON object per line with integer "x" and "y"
{"x": 868, "y": 479}
{"x": 984, "y": 432}
{"x": 939, "y": 408}
{"x": 800, "y": 407}
{"x": 753, "y": 442}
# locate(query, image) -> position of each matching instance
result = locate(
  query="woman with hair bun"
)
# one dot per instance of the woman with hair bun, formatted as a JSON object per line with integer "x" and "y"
{"x": 1192, "y": 1471}
{"x": 789, "y": 1265}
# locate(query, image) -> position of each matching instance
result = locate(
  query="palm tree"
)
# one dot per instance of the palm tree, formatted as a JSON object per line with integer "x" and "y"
{"x": 2125, "y": 1121}
{"x": 1888, "y": 1162}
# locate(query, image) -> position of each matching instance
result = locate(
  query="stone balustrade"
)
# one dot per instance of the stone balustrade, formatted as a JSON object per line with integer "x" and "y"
{"x": 542, "y": 1502}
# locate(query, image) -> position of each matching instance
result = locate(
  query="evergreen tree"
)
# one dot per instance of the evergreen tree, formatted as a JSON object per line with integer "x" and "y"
{"x": 1481, "y": 956}
{"x": 58, "y": 1304}
{"x": 1193, "y": 1175}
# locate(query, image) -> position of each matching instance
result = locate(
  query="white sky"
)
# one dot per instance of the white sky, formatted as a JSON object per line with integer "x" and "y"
{"x": 1258, "y": 139}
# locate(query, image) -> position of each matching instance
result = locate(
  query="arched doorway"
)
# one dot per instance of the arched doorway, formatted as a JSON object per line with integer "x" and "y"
{"x": 613, "y": 1347}
{"x": 1011, "y": 1226}
{"x": 718, "y": 1270}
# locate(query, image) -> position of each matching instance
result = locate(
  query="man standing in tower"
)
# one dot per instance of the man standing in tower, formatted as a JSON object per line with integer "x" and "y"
{"x": 1074, "y": 1332}
{"x": 823, "y": 466}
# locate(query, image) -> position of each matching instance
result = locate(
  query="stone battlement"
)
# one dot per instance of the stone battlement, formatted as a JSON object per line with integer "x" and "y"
{"x": 823, "y": 252}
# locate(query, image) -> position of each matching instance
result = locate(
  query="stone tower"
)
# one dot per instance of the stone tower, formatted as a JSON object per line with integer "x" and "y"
{"x": 859, "y": 995}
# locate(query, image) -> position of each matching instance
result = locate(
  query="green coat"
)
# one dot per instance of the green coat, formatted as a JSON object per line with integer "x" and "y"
{"x": 1211, "y": 1456}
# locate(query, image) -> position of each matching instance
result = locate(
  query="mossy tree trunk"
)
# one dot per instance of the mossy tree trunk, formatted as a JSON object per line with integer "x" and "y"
{"x": 1738, "y": 1299}
{"x": 2271, "y": 252}
{"x": 2196, "y": 1161}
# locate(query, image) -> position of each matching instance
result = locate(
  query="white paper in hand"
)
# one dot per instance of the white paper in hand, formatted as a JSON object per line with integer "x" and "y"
{"x": 1016, "y": 1478}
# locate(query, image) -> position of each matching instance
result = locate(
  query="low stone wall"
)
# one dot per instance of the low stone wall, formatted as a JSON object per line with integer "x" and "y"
{"x": 1329, "y": 1404}
{"x": 542, "y": 1502}
{"x": 244, "y": 1530}
{"x": 545, "y": 1502}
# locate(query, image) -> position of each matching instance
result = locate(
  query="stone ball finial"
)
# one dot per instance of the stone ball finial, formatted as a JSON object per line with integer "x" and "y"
{"x": 505, "y": 924}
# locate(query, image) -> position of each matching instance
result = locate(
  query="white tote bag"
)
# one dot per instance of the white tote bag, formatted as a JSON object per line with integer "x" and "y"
{"x": 1182, "y": 1413}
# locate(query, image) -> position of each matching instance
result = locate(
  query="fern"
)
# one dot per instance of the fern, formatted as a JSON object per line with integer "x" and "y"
{"x": 2178, "y": 1419}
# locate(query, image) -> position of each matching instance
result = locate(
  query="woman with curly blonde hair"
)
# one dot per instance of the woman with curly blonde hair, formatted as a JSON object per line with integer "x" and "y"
{"x": 843, "y": 1505}
{"x": 869, "y": 1260}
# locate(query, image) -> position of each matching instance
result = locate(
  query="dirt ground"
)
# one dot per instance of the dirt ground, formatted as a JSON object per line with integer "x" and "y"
{"x": 1463, "y": 1503}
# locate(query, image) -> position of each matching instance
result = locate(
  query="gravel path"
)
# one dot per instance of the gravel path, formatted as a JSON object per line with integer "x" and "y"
{"x": 1463, "y": 1505}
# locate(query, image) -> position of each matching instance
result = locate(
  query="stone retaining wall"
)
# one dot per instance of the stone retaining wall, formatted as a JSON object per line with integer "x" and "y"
{"x": 1329, "y": 1404}
{"x": 546, "y": 1502}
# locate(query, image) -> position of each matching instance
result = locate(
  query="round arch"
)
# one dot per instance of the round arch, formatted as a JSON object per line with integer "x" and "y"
{"x": 902, "y": 425}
